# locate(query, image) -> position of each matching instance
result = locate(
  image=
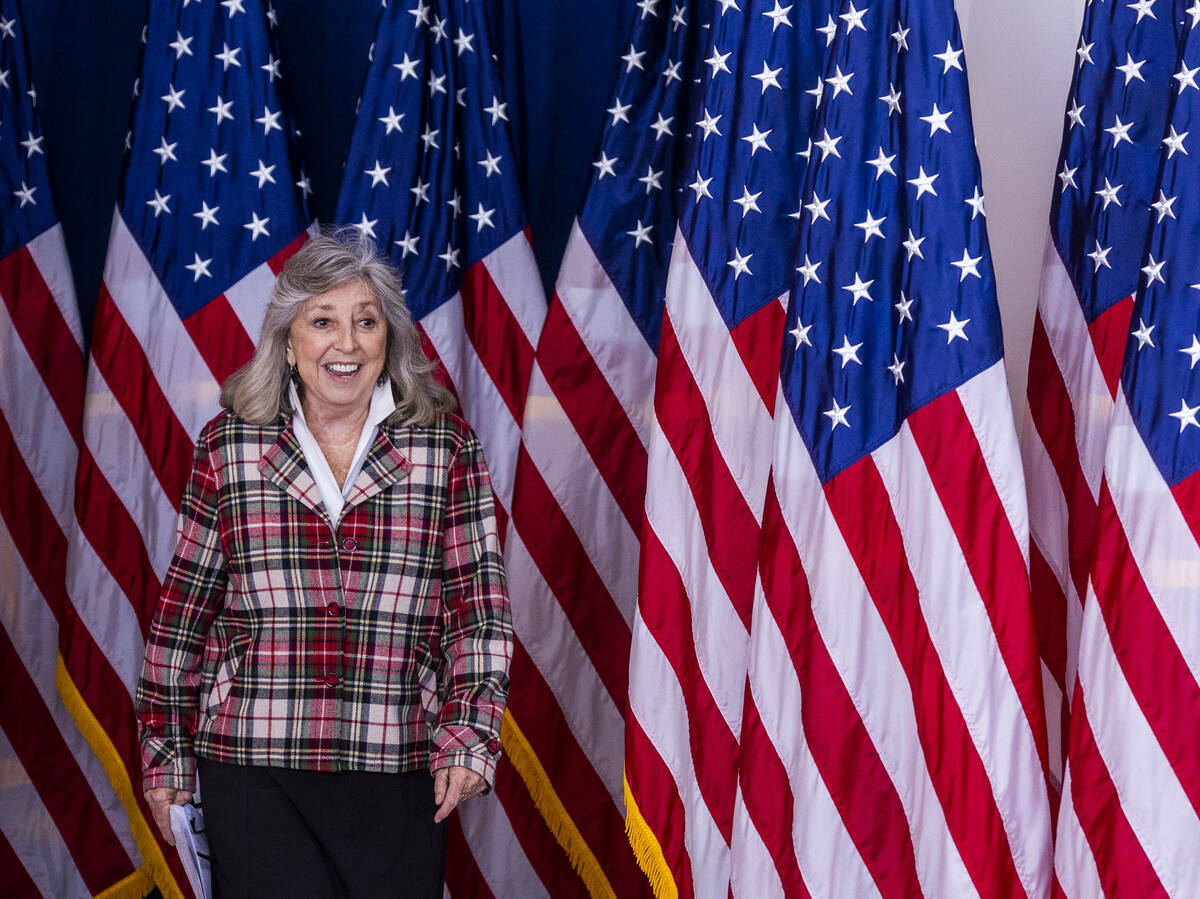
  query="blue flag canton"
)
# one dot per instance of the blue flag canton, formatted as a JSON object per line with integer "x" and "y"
{"x": 894, "y": 302}
{"x": 26, "y": 208}
{"x": 431, "y": 175}
{"x": 750, "y": 146}
{"x": 637, "y": 184}
{"x": 209, "y": 189}
{"x": 1160, "y": 375}
{"x": 1115, "y": 120}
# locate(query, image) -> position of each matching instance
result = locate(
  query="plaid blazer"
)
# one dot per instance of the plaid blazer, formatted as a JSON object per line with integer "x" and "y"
{"x": 381, "y": 644}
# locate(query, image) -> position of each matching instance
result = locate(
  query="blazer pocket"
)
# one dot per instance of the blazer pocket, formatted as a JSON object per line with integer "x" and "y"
{"x": 226, "y": 672}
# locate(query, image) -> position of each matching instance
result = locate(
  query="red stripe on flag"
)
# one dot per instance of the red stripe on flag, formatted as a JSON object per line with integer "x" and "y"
{"x": 494, "y": 332}
{"x": 1158, "y": 675}
{"x": 546, "y": 857}
{"x": 567, "y": 569}
{"x": 595, "y": 412}
{"x": 653, "y": 787}
{"x": 115, "y": 538}
{"x": 575, "y": 781}
{"x": 464, "y": 880}
{"x": 1120, "y": 859}
{"x": 954, "y": 459}
{"x": 842, "y": 749}
{"x": 31, "y": 523}
{"x": 1109, "y": 333}
{"x": 758, "y": 340}
{"x": 862, "y": 508}
{"x": 1187, "y": 497}
{"x": 277, "y": 261}
{"x": 119, "y": 357}
{"x": 768, "y": 797}
{"x": 1054, "y": 417}
{"x": 56, "y": 776}
{"x": 16, "y": 880}
{"x": 669, "y": 619}
{"x": 45, "y": 334}
{"x": 220, "y": 338}
{"x": 1050, "y": 616}
{"x": 730, "y": 529}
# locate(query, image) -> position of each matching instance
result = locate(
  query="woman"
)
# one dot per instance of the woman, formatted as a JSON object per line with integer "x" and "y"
{"x": 334, "y": 625}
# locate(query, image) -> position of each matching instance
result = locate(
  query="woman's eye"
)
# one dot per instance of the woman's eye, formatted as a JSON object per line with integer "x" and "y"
{"x": 368, "y": 323}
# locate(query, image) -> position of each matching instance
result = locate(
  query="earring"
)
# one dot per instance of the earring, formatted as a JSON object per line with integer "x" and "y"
{"x": 382, "y": 379}
{"x": 294, "y": 374}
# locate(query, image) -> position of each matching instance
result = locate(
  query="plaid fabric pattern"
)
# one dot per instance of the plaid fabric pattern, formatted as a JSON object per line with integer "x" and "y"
{"x": 381, "y": 645}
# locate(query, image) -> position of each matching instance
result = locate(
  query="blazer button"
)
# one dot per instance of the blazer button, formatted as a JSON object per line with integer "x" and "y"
{"x": 333, "y": 609}
{"x": 332, "y": 680}
{"x": 493, "y": 746}
{"x": 349, "y": 544}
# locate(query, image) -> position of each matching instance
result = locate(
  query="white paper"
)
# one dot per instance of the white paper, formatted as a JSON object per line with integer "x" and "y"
{"x": 191, "y": 842}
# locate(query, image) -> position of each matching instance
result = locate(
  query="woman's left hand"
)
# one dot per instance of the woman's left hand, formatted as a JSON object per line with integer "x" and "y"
{"x": 451, "y": 786}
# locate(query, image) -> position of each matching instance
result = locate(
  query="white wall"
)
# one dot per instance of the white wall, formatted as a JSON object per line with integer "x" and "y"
{"x": 1020, "y": 55}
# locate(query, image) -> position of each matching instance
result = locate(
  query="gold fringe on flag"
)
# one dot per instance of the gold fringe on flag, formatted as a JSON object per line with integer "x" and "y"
{"x": 546, "y": 800}
{"x": 647, "y": 850}
{"x": 154, "y": 870}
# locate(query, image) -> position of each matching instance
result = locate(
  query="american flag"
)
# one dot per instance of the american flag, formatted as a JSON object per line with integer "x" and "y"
{"x": 64, "y": 831}
{"x": 1129, "y": 822}
{"x": 581, "y": 476}
{"x": 210, "y": 206}
{"x": 900, "y": 747}
{"x": 431, "y": 177}
{"x": 1103, "y": 205}
{"x": 709, "y": 449}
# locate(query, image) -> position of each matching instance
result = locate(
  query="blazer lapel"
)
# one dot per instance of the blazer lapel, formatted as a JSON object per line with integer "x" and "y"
{"x": 384, "y": 466}
{"x": 284, "y": 466}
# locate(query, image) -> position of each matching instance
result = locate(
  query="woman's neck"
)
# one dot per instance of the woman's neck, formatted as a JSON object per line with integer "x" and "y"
{"x": 335, "y": 427}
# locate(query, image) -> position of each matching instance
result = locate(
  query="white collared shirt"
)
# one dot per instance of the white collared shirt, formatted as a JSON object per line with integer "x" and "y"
{"x": 333, "y": 497}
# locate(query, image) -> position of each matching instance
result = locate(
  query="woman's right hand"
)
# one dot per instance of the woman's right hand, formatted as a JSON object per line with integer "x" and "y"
{"x": 160, "y": 800}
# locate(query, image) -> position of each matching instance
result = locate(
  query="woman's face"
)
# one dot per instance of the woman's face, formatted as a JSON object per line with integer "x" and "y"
{"x": 338, "y": 344}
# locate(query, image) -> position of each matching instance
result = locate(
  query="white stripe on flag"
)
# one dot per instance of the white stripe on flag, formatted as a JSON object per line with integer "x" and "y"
{"x": 1074, "y": 864}
{"x": 494, "y": 846}
{"x": 122, "y": 459}
{"x": 49, "y": 252}
{"x": 657, "y": 703}
{"x": 514, "y": 272}
{"x": 819, "y": 837}
{"x": 33, "y": 630}
{"x": 37, "y": 841}
{"x": 851, "y": 629}
{"x": 180, "y": 370}
{"x": 603, "y": 323}
{"x": 563, "y": 461}
{"x": 482, "y": 404}
{"x": 962, "y": 634}
{"x": 249, "y": 296}
{"x": 1160, "y": 540}
{"x": 553, "y": 645}
{"x": 41, "y": 436}
{"x": 1151, "y": 796}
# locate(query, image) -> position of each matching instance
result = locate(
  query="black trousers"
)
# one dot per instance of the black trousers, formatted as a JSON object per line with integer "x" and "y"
{"x": 284, "y": 832}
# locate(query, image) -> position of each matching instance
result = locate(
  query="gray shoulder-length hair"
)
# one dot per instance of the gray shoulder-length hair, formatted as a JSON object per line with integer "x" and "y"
{"x": 258, "y": 391}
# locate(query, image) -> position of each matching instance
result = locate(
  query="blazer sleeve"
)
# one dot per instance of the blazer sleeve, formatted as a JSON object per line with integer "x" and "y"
{"x": 477, "y": 636}
{"x": 192, "y": 592}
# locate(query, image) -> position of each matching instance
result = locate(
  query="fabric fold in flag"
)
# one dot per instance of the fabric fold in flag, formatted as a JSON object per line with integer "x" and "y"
{"x": 211, "y": 203}
{"x": 1103, "y": 203}
{"x": 1130, "y": 815}
{"x": 898, "y": 743}
{"x": 709, "y": 441}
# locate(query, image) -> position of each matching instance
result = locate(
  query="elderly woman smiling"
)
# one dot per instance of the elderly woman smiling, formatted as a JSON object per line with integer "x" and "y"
{"x": 332, "y": 641}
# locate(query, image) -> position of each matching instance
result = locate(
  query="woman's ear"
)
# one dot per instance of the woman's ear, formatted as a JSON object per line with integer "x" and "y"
{"x": 288, "y": 354}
